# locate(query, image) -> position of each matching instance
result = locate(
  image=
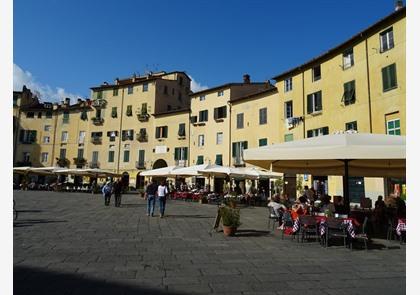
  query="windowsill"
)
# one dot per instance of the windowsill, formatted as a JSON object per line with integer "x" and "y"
{"x": 160, "y": 139}
{"x": 219, "y": 120}
{"x": 317, "y": 113}
{"x": 347, "y": 67}
{"x": 383, "y": 51}
{"x": 182, "y": 137}
{"x": 389, "y": 89}
{"x": 200, "y": 124}
{"x": 316, "y": 80}
{"x": 349, "y": 104}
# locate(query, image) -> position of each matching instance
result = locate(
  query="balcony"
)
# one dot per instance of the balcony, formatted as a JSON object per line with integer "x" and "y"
{"x": 63, "y": 162}
{"x": 94, "y": 165}
{"x": 143, "y": 117}
{"x": 97, "y": 121}
{"x": 79, "y": 161}
{"x": 238, "y": 162}
{"x": 99, "y": 103}
{"x": 96, "y": 140}
{"x": 140, "y": 165}
{"x": 141, "y": 137}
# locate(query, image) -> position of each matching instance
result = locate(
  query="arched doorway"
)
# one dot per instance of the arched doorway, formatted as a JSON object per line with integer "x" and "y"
{"x": 125, "y": 179}
{"x": 139, "y": 181}
{"x": 159, "y": 164}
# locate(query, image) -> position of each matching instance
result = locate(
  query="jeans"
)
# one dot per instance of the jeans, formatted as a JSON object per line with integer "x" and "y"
{"x": 162, "y": 203}
{"x": 107, "y": 199}
{"x": 150, "y": 204}
{"x": 118, "y": 200}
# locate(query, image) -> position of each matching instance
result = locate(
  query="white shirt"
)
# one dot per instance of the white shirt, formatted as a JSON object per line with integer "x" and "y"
{"x": 276, "y": 206}
{"x": 162, "y": 190}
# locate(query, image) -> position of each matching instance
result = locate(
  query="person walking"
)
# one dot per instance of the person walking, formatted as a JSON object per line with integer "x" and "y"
{"x": 118, "y": 186}
{"x": 151, "y": 191}
{"x": 107, "y": 191}
{"x": 162, "y": 193}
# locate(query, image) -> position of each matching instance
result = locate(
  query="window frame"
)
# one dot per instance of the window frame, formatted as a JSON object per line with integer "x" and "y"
{"x": 286, "y": 109}
{"x": 288, "y": 84}
{"x": 201, "y": 143}
{"x": 389, "y": 41}
{"x": 130, "y": 90}
{"x": 394, "y": 129}
{"x": 263, "y": 116}
{"x": 219, "y": 138}
{"x": 316, "y": 78}
{"x": 387, "y": 77}
{"x": 313, "y": 102}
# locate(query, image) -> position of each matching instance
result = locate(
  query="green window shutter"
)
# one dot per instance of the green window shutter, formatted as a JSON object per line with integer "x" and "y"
{"x": 22, "y": 135}
{"x": 157, "y": 134}
{"x": 392, "y": 76}
{"x": 288, "y": 137}
{"x": 176, "y": 154}
{"x": 318, "y": 101}
{"x": 165, "y": 131}
{"x": 262, "y": 141}
{"x": 33, "y": 136}
{"x": 200, "y": 160}
{"x": 385, "y": 80}
{"x": 185, "y": 153}
{"x": 216, "y": 113}
{"x": 234, "y": 144}
{"x": 245, "y": 145}
{"x": 80, "y": 153}
{"x": 111, "y": 156}
{"x": 219, "y": 160}
{"x": 309, "y": 106}
{"x": 141, "y": 157}
{"x": 126, "y": 156}
{"x": 181, "y": 129}
{"x": 325, "y": 131}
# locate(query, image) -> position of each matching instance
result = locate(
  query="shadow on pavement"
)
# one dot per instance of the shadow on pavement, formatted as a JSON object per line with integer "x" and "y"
{"x": 28, "y": 280}
{"x": 188, "y": 216}
{"x": 251, "y": 233}
{"x": 132, "y": 205}
{"x": 30, "y": 211}
{"x": 31, "y": 222}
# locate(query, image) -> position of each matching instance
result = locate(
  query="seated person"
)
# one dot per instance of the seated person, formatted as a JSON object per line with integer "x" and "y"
{"x": 277, "y": 207}
{"x": 380, "y": 204}
{"x": 284, "y": 199}
{"x": 339, "y": 206}
{"x": 327, "y": 205}
{"x": 299, "y": 208}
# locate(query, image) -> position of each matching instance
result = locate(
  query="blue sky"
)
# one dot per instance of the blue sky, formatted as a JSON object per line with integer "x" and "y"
{"x": 65, "y": 47}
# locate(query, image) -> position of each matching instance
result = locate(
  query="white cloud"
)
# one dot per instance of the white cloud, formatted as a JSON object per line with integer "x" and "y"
{"x": 195, "y": 86}
{"x": 43, "y": 91}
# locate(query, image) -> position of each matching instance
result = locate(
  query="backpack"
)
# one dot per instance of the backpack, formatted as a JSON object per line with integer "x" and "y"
{"x": 107, "y": 189}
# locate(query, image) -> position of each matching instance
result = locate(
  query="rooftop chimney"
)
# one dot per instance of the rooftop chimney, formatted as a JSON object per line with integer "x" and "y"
{"x": 398, "y": 5}
{"x": 247, "y": 79}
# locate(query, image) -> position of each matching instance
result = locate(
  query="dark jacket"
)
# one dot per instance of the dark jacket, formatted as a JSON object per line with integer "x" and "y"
{"x": 152, "y": 189}
{"x": 118, "y": 186}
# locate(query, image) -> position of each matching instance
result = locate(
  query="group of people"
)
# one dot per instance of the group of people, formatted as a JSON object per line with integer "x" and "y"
{"x": 111, "y": 188}
{"x": 160, "y": 192}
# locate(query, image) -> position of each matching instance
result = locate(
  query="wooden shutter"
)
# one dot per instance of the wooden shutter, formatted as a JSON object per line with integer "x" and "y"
{"x": 185, "y": 153}
{"x": 165, "y": 132}
{"x": 141, "y": 157}
{"x": 309, "y": 106}
{"x": 234, "y": 144}
{"x": 325, "y": 131}
{"x": 318, "y": 101}
{"x": 157, "y": 132}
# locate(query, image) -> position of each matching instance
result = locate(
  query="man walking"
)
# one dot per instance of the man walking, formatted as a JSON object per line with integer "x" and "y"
{"x": 162, "y": 193}
{"x": 107, "y": 191}
{"x": 118, "y": 186}
{"x": 151, "y": 190}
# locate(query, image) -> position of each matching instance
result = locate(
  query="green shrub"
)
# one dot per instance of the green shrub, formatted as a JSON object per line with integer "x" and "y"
{"x": 230, "y": 216}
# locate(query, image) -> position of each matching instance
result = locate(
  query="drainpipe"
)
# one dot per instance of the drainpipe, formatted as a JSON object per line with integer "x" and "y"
{"x": 303, "y": 103}
{"x": 230, "y": 133}
{"x": 368, "y": 84}
{"x": 119, "y": 131}
{"x": 55, "y": 134}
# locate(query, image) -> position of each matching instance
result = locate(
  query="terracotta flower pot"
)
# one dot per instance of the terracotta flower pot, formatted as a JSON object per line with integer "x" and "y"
{"x": 229, "y": 230}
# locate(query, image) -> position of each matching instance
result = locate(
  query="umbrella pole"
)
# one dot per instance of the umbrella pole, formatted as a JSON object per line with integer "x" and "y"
{"x": 346, "y": 193}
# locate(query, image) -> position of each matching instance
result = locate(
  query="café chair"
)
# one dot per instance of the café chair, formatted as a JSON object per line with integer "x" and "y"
{"x": 308, "y": 227}
{"x": 272, "y": 217}
{"x": 335, "y": 228}
{"x": 363, "y": 235}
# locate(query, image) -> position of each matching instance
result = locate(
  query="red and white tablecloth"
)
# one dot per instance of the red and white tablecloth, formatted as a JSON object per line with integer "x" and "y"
{"x": 322, "y": 226}
{"x": 401, "y": 225}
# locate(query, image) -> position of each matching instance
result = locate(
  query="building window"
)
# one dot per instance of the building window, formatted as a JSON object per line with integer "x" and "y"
{"x": 349, "y": 95}
{"x": 317, "y": 132}
{"x": 387, "y": 39}
{"x": 46, "y": 139}
{"x": 181, "y": 153}
{"x": 47, "y": 128}
{"x": 203, "y": 116}
{"x": 82, "y": 135}
{"x": 262, "y": 142}
{"x": 44, "y": 157}
{"x": 202, "y": 97}
{"x": 99, "y": 94}
{"x": 316, "y": 73}
{"x": 130, "y": 90}
{"x": 64, "y": 136}
{"x": 220, "y": 93}
{"x": 351, "y": 126}
{"x": 237, "y": 151}
{"x": 141, "y": 163}
{"x": 111, "y": 155}
{"x": 126, "y": 156}
{"x": 66, "y": 117}
{"x": 179, "y": 96}
{"x": 201, "y": 140}
{"x": 240, "y": 121}
{"x": 393, "y": 127}
{"x": 95, "y": 157}
{"x": 30, "y": 115}
{"x": 288, "y": 84}
{"x": 193, "y": 119}
{"x": 181, "y": 130}
{"x": 48, "y": 114}
{"x": 62, "y": 153}
{"x": 288, "y": 137}
{"x": 145, "y": 87}
{"x": 200, "y": 160}
{"x": 389, "y": 77}
{"x": 115, "y": 92}
{"x": 180, "y": 80}
{"x": 127, "y": 134}
{"x": 348, "y": 58}
{"x": 80, "y": 153}
{"x": 263, "y": 116}
{"x": 39, "y": 115}
{"x": 129, "y": 112}
{"x": 26, "y": 157}
{"x": 27, "y": 136}
{"x": 220, "y": 112}
{"x": 288, "y": 109}
{"x": 314, "y": 102}
{"x": 219, "y": 138}
{"x": 114, "y": 113}
{"x": 142, "y": 136}
{"x": 162, "y": 132}
{"x": 219, "y": 160}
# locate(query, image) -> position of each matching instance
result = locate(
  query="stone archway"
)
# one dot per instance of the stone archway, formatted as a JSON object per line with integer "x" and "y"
{"x": 139, "y": 181}
{"x": 125, "y": 179}
{"x": 159, "y": 164}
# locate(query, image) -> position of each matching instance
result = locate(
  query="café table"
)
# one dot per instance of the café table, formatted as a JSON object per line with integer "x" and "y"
{"x": 321, "y": 220}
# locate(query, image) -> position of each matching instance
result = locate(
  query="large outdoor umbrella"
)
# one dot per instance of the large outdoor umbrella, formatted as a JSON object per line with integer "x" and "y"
{"x": 253, "y": 173}
{"x": 161, "y": 172}
{"x": 346, "y": 154}
{"x": 192, "y": 170}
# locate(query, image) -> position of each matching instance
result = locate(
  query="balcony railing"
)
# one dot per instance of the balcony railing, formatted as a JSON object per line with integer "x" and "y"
{"x": 63, "y": 162}
{"x": 94, "y": 165}
{"x": 141, "y": 137}
{"x": 96, "y": 140}
{"x": 99, "y": 103}
{"x": 143, "y": 117}
{"x": 97, "y": 121}
{"x": 140, "y": 165}
{"x": 79, "y": 161}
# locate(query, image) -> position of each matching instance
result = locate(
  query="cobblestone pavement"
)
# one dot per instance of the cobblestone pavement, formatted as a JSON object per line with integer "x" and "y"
{"x": 70, "y": 243}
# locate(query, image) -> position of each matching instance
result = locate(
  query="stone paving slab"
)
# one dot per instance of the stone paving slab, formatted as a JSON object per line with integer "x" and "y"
{"x": 70, "y": 243}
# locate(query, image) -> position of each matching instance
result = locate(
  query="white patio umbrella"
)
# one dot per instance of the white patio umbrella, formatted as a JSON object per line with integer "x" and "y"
{"x": 21, "y": 170}
{"x": 347, "y": 154}
{"x": 216, "y": 170}
{"x": 254, "y": 173}
{"x": 161, "y": 172}
{"x": 191, "y": 170}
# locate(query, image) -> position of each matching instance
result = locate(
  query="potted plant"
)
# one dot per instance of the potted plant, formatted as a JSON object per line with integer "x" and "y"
{"x": 230, "y": 220}
{"x": 203, "y": 200}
